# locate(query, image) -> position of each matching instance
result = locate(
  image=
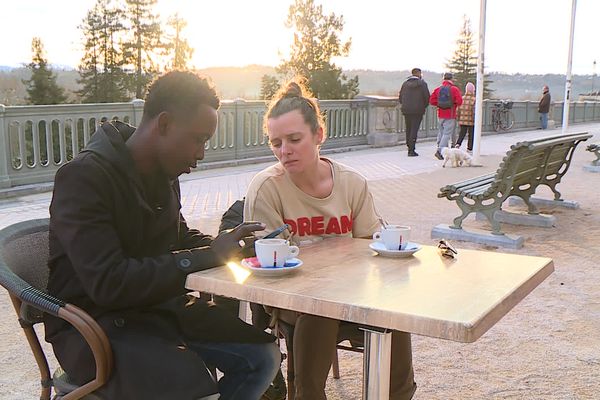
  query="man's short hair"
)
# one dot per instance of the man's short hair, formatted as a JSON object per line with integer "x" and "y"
{"x": 448, "y": 76}
{"x": 415, "y": 71}
{"x": 181, "y": 92}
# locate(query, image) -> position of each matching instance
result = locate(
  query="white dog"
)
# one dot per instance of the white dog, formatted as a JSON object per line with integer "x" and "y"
{"x": 458, "y": 157}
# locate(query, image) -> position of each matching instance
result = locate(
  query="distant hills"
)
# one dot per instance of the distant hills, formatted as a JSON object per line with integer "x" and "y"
{"x": 244, "y": 82}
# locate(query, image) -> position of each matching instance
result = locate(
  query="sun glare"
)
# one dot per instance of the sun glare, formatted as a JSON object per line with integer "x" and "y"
{"x": 233, "y": 33}
{"x": 240, "y": 274}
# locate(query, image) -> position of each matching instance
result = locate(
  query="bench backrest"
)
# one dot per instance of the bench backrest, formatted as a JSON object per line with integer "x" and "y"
{"x": 532, "y": 161}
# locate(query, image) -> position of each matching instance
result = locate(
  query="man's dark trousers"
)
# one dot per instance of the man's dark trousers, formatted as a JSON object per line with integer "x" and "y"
{"x": 412, "y": 122}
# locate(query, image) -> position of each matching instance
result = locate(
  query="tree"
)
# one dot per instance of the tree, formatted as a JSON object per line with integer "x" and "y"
{"x": 464, "y": 62}
{"x": 42, "y": 87}
{"x": 142, "y": 50}
{"x": 316, "y": 42}
{"x": 103, "y": 79}
{"x": 269, "y": 85}
{"x": 177, "y": 46}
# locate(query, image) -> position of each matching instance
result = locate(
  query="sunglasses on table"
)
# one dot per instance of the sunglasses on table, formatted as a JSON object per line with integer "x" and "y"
{"x": 446, "y": 249}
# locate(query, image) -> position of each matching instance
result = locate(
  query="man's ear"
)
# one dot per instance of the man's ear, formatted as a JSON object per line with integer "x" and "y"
{"x": 163, "y": 121}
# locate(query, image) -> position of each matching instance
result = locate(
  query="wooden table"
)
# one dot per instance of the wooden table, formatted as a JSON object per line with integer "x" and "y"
{"x": 457, "y": 299}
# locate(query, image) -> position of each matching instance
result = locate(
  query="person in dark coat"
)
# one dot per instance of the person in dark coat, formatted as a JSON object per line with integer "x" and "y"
{"x": 121, "y": 250}
{"x": 544, "y": 106}
{"x": 414, "y": 98}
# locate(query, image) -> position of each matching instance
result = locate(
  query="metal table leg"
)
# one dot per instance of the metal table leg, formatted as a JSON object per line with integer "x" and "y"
{"x": 376, "y": 364}
{"x": 243, "y": 310}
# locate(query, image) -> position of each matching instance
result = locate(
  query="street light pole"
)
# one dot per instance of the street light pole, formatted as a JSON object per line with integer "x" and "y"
{"x": 565, "y": 121}
{"x": 593, "y": 76}
{"x": 479, "y": 88}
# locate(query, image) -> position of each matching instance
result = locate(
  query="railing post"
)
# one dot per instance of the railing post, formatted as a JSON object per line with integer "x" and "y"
{"x": 138, "y": 110}
{"x": 556, "y": 113}
{"x": 238, "y": 132}
{"x": 484, "y": 115}
{"x": 381, "y": 124}
{"x": 4, "y": 151}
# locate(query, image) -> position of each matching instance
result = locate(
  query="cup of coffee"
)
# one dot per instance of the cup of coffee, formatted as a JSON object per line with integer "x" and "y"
{"x": 274, "y": 252}
{"x": 393, "y": 237}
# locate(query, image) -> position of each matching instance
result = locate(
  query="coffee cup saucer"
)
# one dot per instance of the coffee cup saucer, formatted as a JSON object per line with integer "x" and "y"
{"x": 379, "y": 248}
{"x": 253, "y": 265}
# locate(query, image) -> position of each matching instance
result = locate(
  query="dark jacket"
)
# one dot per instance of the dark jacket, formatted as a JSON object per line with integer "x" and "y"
{"x": 544, "y": 105}
{"x": 414, "y": 96}
{"x": 118, "y": 250}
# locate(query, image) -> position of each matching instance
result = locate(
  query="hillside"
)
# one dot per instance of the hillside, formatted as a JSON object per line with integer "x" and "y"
{"x": 244, "y": 82}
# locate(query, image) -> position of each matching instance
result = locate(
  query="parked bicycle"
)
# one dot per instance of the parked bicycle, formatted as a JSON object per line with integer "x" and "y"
{"x": 503, "y": 118}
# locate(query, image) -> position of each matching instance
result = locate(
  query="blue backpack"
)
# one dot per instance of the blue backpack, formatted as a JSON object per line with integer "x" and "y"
{"x": 445, "y": 97}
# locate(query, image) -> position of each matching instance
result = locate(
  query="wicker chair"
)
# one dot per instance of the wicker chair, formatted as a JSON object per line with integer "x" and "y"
{"x": 24, "y": 274}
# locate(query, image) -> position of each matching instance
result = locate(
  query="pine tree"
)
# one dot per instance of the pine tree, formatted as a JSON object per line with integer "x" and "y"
{"x": 316, "y": 42}
{"x": 464, "y": 61}
{"x": 269, "y": 85}
{"x": 42, "y": 87}
{"x": 101, "y": 67}
{"x": 142, "y": 50}
{"x": 177, "y": 46}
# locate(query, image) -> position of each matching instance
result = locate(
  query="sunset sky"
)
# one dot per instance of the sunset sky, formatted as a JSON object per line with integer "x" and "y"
{"x": 527, "y": 36}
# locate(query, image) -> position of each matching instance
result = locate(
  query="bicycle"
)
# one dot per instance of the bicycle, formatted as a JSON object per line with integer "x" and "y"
{"x": 502, "y": 116}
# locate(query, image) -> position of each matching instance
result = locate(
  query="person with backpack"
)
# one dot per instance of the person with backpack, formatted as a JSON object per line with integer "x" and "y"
{"x": 414, "y": 99}
{"x": 446, "y": 98}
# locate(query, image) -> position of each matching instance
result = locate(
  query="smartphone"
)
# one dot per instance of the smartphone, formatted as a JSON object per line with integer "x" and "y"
{"x": 277, "y": 232}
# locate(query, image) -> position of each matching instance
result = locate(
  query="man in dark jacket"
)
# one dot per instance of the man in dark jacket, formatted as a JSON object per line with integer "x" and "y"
{"x": 414, "y": 98}
{"x": 544, "y": 106}
{"x": 121, "y": 250}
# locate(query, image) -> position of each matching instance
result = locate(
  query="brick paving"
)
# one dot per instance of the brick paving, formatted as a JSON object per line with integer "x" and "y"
{"x": 405, "y": 192}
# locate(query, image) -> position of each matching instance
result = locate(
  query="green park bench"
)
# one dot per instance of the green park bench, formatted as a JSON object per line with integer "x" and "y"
{"x": 525, "y": 167}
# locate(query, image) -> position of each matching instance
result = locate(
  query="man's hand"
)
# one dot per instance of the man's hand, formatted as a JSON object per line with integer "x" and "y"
{"x": 230, "y": 243}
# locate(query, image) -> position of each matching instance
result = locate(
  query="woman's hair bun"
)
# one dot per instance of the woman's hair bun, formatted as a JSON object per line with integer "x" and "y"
{"x": 292, "y": 89}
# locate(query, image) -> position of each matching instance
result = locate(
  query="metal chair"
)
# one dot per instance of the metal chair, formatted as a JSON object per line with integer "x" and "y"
{"x": 24, "y": 274}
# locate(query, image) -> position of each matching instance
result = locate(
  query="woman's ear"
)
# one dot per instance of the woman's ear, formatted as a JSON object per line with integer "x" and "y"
{"x": 320, "y": 136}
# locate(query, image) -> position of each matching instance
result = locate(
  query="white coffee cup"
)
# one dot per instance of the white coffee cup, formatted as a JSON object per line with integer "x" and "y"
{"x": 393, "y": 237}
{"x": 274, "y": 252}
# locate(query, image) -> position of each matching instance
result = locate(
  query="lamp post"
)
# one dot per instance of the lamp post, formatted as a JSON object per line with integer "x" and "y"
{"x": 593, "y": 76}
{"x": 479, "y": 88}
{"x": 565, "y": 120}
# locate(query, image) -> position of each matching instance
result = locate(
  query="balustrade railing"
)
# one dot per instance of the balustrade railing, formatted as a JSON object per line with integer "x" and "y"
{"x": 36, "y": 140}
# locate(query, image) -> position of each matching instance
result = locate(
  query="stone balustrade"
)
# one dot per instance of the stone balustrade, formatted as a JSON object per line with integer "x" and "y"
{"x": 36, "y": 140}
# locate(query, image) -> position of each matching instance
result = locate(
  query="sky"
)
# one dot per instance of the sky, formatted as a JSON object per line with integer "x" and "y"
{"x": 522, "y": 36}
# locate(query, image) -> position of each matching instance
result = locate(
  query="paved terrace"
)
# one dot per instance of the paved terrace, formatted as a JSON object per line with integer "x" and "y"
{"x": 548, "y": 347}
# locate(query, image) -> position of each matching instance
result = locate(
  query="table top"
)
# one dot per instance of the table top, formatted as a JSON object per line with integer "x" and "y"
{"x": 457, "y": 299}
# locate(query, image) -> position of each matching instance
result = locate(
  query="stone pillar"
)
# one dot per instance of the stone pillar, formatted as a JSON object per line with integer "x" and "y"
{"x": 4, "y": 151}
{"x": 138, "y": 110}
{"x": 382, "y": 121}
{"x": 238, "y": 134}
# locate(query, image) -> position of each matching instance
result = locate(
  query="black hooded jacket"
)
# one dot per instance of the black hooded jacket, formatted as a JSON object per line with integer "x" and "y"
{"x": 414, "y": 96}
{"x": 123, "y": 255}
